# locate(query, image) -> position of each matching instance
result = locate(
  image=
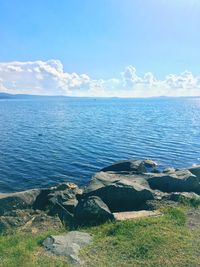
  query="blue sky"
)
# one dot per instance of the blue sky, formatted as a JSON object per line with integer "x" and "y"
{"x": 101, "y": 38}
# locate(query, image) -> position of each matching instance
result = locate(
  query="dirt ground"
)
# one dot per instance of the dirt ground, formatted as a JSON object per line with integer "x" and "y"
{"x": 193, "y": 219}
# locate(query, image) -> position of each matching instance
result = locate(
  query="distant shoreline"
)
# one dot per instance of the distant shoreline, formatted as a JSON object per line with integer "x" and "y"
{"x": 28, "y": 96}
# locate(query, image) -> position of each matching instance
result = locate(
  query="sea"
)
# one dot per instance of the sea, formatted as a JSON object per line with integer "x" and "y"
{"x": 49, "y": 140}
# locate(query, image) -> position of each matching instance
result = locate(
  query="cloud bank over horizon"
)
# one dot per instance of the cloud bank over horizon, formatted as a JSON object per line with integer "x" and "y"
{"x": 49, "y": 78}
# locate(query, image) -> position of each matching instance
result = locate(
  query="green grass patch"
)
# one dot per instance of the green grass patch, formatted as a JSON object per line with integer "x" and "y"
{"x": 24, "y": 250}
{"x": 160, "y": 241}
{"x": 191, "y": 202}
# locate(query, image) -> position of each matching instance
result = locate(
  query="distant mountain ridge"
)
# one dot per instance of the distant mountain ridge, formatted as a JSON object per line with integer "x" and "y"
{"x": 22, "y": 96}
{"x": 27, "y": 96}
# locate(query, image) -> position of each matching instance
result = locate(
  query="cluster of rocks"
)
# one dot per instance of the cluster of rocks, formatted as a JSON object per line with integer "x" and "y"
{"x": 124, "y": 186}
{"x": 38, "y": 208}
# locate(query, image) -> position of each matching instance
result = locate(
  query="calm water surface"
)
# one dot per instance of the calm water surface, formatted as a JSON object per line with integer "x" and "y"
{"x": 49, "y": 140}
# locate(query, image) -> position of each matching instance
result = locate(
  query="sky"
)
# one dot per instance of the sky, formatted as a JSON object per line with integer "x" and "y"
{"x": 124, "y": 48}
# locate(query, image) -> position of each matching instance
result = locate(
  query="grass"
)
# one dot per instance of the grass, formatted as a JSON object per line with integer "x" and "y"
{"x": 161, "y": 241}
{"x": 24, "y": 250}
{"x": 193, "y": 202}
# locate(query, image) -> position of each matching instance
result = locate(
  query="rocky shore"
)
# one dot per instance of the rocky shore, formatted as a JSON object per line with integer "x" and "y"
{"x": 125, "y": 190}
{"x": 125, "y": 186}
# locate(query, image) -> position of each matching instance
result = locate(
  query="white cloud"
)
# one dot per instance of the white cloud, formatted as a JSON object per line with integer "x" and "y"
{"x": 49, "y": 78}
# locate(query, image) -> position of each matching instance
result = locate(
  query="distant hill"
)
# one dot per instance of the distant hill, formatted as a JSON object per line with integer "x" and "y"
{"x": 5, "y": 96}
{"x": 22, "y": 96}
{"x": 12, "y": 96}
{"x": 26, "y": 96}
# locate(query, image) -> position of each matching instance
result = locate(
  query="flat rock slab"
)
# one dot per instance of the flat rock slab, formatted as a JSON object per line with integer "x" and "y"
{"x": 130, "y": 215}
{"x": 68, "y": 245}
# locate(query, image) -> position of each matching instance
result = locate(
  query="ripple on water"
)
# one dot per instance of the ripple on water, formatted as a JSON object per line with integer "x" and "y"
{"x": 46, "y": 141}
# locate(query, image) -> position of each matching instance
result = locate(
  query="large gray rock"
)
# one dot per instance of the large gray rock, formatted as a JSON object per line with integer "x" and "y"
{"x": 60, "y": 194}
{"x": 68, "y": 245}
{"x": 131, "y": 166}
{"x": 119, "y": 192}
{"x": 61, "y": 201}
{"x": 65, "y": 216}
{"x": 195, "y": 170}
{"x": 19, "y": 200}
{"x": 70, "y": 204}
{"x": 179, "y": 181}
{"x": 92, "y": 210}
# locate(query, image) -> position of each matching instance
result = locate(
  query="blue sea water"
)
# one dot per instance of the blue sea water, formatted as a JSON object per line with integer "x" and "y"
{"x": 44, "y": 141}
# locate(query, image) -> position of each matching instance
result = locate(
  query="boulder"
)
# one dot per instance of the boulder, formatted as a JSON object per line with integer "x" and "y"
{"x": 131, "y": 166}
{"x": 179, "y": 181}
{"x": 42, "y": 201}
{"x": 19, "y": 200}
{"x": 49, "y": 197}
{"x": 119, "y": 192}
{"x": 195, "y": 170}
{"x": 70, "y": 204}
{"x": 92, "y": 210}
{"x": 65, "y": 216}
{"x": 68, "y": 245}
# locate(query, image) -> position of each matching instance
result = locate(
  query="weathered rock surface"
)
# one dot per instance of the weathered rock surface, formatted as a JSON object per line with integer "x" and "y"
{"x": 179, "y": 181}
{"x": 65, "y": 216}
{"x": 68, "y": 245}
{"x": 70, "y": 204}
{"x": 196, "y": 171}
{"x": 19, "y": 200}
{"x": 17, "y": 209}
{"x": 119, "y": 192}
{"x": 169, "y": 170}
{"x": 131, "y": 166}
{"x": 122, "y": 216}
{"x": 92, "y": 210}
{"x": 49, "y": 197}
{"x": 124, "y": 186}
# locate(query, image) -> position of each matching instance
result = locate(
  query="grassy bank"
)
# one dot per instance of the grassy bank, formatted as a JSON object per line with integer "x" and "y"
{"x": 161, "y": 241}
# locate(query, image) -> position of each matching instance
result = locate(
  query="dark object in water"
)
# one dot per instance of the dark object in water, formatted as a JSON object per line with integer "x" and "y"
{"x": 40, "y": 134}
